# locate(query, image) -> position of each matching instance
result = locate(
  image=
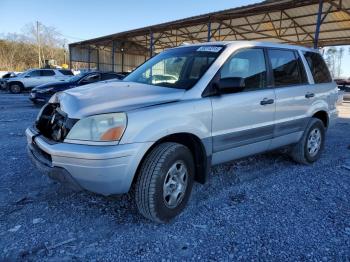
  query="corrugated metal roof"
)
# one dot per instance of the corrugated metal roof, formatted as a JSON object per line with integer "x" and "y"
{"x": 285, "y": 21}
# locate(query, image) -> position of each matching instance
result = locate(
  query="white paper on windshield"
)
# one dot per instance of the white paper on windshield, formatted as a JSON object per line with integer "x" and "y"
{"x": 213, "y": 49}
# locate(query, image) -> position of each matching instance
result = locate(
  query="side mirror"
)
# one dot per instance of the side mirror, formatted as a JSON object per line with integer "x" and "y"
{"x": 231, "y": 85}
{"x": 27, "y": 76}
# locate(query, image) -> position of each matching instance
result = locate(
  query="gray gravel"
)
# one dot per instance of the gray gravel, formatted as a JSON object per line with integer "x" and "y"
{"x": 258, "y": 208}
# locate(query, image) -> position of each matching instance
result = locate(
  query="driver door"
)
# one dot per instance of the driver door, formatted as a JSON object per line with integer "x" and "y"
{"x": 243, "y": 122}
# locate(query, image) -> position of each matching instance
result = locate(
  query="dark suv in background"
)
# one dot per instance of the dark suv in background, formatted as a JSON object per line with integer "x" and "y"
{"x": 42, "y": 93}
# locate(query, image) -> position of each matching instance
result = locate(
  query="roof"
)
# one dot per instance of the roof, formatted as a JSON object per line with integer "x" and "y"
{"x": 283, "y": 21}
{"x": 252, "y": 43}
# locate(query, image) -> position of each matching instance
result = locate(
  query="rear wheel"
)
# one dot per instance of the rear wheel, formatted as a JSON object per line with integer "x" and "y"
{"x": 15, "y": 88}
{"x": 310, "y": 146}
{"x": 165, "y": 182}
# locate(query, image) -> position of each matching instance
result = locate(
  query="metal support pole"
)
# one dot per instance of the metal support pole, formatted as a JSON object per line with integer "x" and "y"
{"x": 113, "y": 51}
{"x": 70, "y": 56}
{"x": 151, "y": 44}
{"x": 89, "y": 54}
{"x": 98, "y": 58}
{"x": 209, "y": 31}
{"x": 318, "y": 25}
{"x": 122, "y": 51}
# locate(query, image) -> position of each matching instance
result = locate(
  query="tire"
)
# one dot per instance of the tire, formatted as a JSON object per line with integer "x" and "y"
{"x": 15, "y": 88}
{"x": 302, "y": 152}
{"x": 155, "y": 188}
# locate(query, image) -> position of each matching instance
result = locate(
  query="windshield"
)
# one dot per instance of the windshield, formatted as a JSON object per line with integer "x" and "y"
{"x": 24, "y": 73}
{"x": 177, "y": 68}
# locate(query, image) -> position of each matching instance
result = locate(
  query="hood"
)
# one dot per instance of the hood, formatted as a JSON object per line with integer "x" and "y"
{"x": 110, "y": 97}
{"x": 64, "y": 83}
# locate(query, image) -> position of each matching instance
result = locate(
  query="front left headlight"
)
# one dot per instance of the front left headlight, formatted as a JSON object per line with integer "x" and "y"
{"x": 99, "y": 128}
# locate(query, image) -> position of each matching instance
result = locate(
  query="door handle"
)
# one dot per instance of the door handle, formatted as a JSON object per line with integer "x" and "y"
{"x": 266, "y": 101}
{"x": 309, "y": 95}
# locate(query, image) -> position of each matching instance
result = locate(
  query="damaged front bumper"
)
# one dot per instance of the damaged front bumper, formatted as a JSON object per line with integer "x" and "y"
{"x": 104, "y": 170}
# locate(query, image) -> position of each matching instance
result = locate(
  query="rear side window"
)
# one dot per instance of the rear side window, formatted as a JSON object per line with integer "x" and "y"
{"x": 318, "y": 68}
{"x": 66, "y": 72}
{"x": 286, "y": 67}
{"x": 34, "y": 73}
{"x": 47, "y": 73}
{"x": 248, "y": 64}
{"x": 106, "y": 76}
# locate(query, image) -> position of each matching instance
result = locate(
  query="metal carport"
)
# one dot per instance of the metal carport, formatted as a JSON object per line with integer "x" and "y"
{"x": 311, "y": 23}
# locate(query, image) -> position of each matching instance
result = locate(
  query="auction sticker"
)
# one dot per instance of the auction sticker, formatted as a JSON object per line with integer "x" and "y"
{"x": 213, "y": 49}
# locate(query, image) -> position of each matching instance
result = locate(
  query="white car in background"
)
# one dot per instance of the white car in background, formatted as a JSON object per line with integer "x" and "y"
{"x": 34, "y": 77}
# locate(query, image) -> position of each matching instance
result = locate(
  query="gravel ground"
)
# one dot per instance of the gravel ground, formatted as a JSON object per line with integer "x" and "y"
{"x": 259, "y": 208}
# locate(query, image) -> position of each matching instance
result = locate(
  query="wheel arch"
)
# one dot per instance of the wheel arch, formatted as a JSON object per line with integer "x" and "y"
{"x": 198, "y": 147}
{"x": 323, "y": 116}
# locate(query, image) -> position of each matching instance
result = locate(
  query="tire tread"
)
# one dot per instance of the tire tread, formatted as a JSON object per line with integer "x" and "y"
{"x": 146, "y": 182}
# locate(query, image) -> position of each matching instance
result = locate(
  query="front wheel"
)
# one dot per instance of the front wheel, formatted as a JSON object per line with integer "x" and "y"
{"x": 15, "y": 88}
{"x": 310, "y": 146}
{"x": 165, "y": 182}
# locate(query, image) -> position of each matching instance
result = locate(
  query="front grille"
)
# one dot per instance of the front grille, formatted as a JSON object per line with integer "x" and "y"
{"x": 53, "y": 123}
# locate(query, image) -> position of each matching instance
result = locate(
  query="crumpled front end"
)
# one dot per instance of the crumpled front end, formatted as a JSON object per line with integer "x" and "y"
{"x": 53, "y": 123}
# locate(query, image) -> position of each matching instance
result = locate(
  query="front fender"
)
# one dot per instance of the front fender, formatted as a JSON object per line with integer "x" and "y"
{"x": 153, "y": 123}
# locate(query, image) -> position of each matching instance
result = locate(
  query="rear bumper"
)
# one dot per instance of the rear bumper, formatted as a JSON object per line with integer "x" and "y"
{"x": 104, "y": 170}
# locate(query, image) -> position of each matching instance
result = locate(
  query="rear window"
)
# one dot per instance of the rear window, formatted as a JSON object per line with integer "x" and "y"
{"x": 47, "y": 73}
{"x": 286, "y": 68}
{"x": 66, "y": 72}
{"x": 318, "y": 67}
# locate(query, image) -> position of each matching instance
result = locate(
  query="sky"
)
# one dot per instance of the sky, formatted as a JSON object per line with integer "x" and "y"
{"x": 84, "y": 19}
{"x": 80, "y": 20}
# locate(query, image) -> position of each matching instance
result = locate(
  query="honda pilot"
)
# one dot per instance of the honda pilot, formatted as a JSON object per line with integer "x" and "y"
{"x": 180, "y": 113}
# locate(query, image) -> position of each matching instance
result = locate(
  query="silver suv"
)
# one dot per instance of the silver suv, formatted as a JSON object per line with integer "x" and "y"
{"x": 223, "y": 101}
{"x": 34, "y": 77}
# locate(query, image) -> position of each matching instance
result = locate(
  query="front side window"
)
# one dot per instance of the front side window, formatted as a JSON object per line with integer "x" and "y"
{"x": 248, "y": 64}
{"x": 318, "y": 68}
{"x": 285, "y": 67}
{"x": 47, "y": 73}
{"x": 176, "y": 68}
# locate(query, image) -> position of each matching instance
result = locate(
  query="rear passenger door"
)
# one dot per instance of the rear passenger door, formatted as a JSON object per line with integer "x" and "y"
{"x": 47, "y": 76}
{"x": 243, "y": 122}
{"x": 323, "y": 88}
{"x": 293, "y": 96}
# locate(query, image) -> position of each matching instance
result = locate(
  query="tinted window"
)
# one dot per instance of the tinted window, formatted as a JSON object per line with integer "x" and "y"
{"x": 34, "y": 73}
{"x": 91, "y": 78}
{"x": 47, "y": 73}
{"x": 248, "y": 64}
{"x": 107, "y": 76}
{"x": 285, "y": 67}
{"x": 318, "y": 67}
{"x": 66, "y": 72}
